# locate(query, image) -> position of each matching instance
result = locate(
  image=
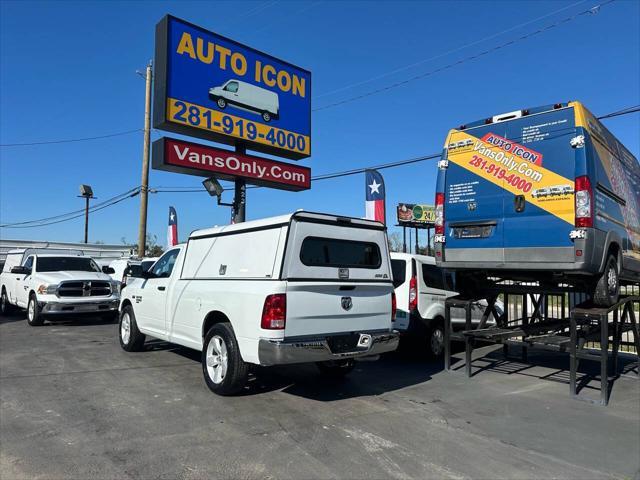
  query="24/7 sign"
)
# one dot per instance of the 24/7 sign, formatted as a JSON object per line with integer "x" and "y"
{"x": 211, "y": 87}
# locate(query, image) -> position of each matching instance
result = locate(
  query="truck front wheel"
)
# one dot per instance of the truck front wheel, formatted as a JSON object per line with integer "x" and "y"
{"x": 225, "y": 373}
{"x": 607, "y": 288}
{"x": 34, "y": 317}
{"x": 266, "y": 116}
{"x": 131, "y": 340}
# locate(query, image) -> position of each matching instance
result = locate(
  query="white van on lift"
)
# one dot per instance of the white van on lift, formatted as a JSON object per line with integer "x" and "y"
{"x": 304, "y": 287}
{"x": 248, "y": 97}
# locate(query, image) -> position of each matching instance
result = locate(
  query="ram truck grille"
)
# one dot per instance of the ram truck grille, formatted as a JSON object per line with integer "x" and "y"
{"x": 84, "y": 289}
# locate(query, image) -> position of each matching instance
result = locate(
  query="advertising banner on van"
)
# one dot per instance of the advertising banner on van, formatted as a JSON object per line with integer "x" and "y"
{"x": 172, "y": 155}
{"x": 211, "y": 87}
{"x": 410, "y": 213}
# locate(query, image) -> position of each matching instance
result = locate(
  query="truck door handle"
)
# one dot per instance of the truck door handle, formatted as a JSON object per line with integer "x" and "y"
{"x": 519, "y": 203}
{"x": 162, "y": 289}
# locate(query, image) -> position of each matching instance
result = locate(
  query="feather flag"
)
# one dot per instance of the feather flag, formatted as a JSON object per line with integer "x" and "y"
{"x": 172, "y": 231}
{"x": 375, "y": 196}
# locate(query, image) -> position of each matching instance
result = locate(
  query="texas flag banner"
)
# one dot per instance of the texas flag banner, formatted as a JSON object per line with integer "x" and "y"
{"x": 375, "y": 196}
{"x": 172, "y": 231}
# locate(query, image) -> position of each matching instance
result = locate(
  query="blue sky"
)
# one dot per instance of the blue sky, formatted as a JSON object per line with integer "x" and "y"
{"x": 67, "y": 70}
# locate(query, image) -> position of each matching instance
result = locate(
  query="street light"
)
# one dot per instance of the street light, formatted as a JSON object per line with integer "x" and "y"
{"x": 87, "y": 193}
{"x": 215, "y": 190}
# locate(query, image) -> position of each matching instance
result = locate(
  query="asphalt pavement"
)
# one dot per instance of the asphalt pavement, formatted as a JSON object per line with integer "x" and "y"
{"x": 74, "y": 405}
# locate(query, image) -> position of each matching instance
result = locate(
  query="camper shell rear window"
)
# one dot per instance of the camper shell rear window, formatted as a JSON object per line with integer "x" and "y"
{"x": 334, "y": 252}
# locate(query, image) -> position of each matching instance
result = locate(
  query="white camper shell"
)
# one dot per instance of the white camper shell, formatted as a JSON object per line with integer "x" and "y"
{"x": 246, "y": 96}
{"x": 304, "y": 287}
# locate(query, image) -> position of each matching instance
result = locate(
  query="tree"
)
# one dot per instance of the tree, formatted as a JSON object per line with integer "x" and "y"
{"x": 153, "y": 249}
{"x": 395, "y": 242}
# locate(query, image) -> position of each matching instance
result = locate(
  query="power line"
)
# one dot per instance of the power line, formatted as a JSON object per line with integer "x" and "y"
{"x": 624, "y": 111}
{"x": 440, "y": 55}
{"x": 74, "y": 214}
{"x": 71, "y": 140}
{"x": 401, "y": 83}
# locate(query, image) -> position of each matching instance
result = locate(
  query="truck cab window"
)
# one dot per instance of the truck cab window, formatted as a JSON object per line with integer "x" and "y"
{"x": 231, "y": 87}
{"x": 164, "y": 266}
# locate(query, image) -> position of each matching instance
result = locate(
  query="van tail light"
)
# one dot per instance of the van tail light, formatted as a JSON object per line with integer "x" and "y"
{"x": 413, "y": 294}
{"x": 394, "y": 306}
{"x": 274, "y": 312}
{"x": 584, "y": 202}
{"x": 439, "y": 214}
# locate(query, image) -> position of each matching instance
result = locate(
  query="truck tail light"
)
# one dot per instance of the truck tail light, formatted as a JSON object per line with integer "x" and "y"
{"x": 394, "y": 306}
{"x": 274, "y": 312}
{"x": 413, "y": 294}
{"x": 439, "y": 214}
{"x": 584, "y": 202}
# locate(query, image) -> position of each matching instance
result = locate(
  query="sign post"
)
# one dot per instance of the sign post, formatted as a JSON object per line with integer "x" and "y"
{"x": 211, "y": 87}
{"x": 416, "y": 216}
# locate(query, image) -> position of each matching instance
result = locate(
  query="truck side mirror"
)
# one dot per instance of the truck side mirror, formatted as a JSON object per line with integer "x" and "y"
{"x": 108, "y": 270}
{"x": 21, "y": 270}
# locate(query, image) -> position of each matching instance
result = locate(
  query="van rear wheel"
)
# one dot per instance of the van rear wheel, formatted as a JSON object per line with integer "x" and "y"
{"x": 607, "y": 288}
{"x": 435, "y": 338}
{"x": 225, "y": 373}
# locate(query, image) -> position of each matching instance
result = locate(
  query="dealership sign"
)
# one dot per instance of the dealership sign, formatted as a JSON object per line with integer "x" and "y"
{"x": 409, "y": 213}
{"x": 174, "y": 155}
{"x": 211, "y": 87}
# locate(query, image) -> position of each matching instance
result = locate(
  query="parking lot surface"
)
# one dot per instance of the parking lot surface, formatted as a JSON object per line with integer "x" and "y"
{"x": 74, "y": 405}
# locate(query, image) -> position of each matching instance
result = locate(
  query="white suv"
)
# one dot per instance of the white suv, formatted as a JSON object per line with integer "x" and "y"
{"x": 421, "y": 289}
{"x": 50, "y": 285}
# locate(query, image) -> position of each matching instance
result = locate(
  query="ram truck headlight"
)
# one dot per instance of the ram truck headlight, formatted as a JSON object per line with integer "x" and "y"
{"x": 48, "y": 288}
{"x": 115, "y": 286}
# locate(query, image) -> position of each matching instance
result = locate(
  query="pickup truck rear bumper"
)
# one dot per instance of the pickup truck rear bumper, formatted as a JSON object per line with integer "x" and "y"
{"x": 59, "y": 308}
{"x": 324, "y": 348}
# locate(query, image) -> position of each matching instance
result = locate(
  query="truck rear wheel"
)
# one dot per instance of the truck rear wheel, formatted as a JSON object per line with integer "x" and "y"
{"x": 5, "y": 307}
{"x": 607, "y": 288}
{"x": 336, "y": 368}
{"x": 225, "y": 373}
{"x": 34, "y": 317}
{"x": 131, "y": 340}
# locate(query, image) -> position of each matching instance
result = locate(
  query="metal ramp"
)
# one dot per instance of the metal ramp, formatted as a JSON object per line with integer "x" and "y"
{"x": 543, "y": 321}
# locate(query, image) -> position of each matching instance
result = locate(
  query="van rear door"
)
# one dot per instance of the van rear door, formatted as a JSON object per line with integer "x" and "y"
{"x": 338, "y": 276}
{"x": 509, "y": 189}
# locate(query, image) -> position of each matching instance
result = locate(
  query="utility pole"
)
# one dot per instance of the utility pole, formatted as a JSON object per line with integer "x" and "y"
{"x": 144, "y": 184}
{"x": 86, "y": 192}
{"x": 240, "y": 195}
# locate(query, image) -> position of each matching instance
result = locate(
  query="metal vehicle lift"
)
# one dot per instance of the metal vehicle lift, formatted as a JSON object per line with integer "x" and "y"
{"x": 547, "y": 327}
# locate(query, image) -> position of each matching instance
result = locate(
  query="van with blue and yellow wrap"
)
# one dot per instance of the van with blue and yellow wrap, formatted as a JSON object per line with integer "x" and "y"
{"x": 545, "y": 194}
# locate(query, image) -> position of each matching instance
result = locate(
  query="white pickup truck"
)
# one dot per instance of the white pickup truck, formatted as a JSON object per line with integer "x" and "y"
{"x": 298, "y": 288}
{"x": 50, "y": 285}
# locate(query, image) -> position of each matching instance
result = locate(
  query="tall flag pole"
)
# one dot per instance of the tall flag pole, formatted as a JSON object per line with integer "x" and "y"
{"x": 172, "y": 231}
{"x": 375, "y": 196}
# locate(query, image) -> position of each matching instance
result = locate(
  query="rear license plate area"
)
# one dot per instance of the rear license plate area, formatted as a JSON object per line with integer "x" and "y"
{"x": 475, "y": 231}
{"x": 343, "y": 343}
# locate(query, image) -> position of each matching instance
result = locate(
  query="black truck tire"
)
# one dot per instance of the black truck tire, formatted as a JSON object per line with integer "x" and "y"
{"x": 607, "y": 287}
{"x": 34, "y": 317}
{"x": 224, "y": 370}
{"x": 131, "y": 340}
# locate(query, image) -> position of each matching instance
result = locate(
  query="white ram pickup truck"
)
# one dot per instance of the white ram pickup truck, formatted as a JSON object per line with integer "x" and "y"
{"x": 49, "y": 285}
{"x": 300, "y": 288}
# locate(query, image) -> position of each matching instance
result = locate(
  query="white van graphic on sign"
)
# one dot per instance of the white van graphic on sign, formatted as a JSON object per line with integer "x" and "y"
{"x": 247, "y": 97}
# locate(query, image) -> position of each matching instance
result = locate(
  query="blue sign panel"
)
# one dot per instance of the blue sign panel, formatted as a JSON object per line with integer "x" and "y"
{"x": 211, "y": 87}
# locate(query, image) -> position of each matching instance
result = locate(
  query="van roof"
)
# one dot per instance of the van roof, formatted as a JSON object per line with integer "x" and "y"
{"x": 284, "y": 220}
